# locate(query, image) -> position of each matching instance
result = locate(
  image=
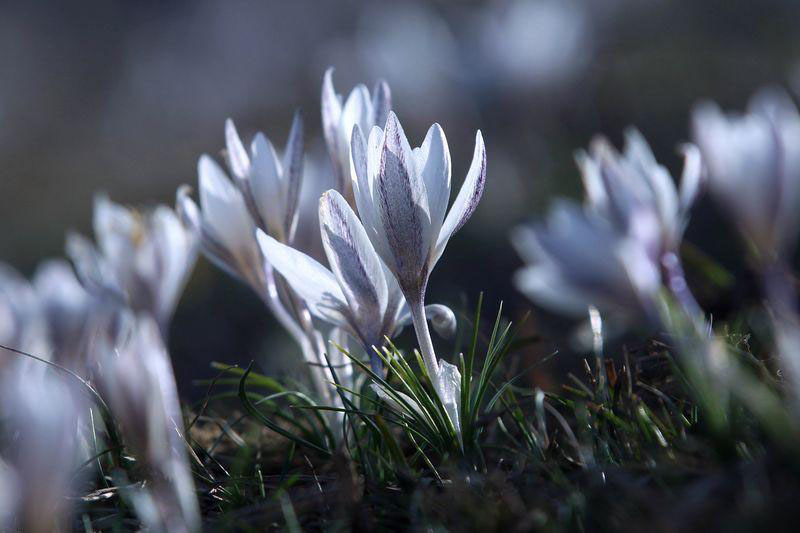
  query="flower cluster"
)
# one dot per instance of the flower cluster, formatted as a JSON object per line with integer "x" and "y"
{"x": 104, "y": 320}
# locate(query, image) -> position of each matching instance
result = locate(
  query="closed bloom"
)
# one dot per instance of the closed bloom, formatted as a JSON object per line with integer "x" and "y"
{"x": 141, "y": 259}
{"x": 69, "y": 311}
{"x": 403, "y": 194}
{"x": 270, "y": 185}
{"x": 358, "y": 293}
{"x": 619, "y": 185}
{"x": 753, "y": 161}
{"x": 22, "y": 325}
{"x": 340, "y": 116}
{"x": 224, "y": 225}
{"x": 577, "y": 259}
{"x": 402, "y": 197}
{"x": 139, "y": 386}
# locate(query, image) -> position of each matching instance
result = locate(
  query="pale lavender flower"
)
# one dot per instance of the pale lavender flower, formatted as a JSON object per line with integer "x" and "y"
{"x": 753, "y": 162}
{"x": 270, "y": 186}
{"x": 402, "y": 197}
{"x": 226, "y": 223}
{"x": 142, "y": 259}
{"x": 578, "y": 259}
{"x": 358, "y": 294}
{"x": 340, "y": 116}
{"x": 22, "y": 325}
{"x": 619, "y": 185}
{"x": 41, "y": 447}
{"x": 69, "y": 311}
{"x": 138, "y": 384}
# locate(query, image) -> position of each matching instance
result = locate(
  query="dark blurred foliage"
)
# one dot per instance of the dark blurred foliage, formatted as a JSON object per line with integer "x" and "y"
{"x": 123, "y": 97}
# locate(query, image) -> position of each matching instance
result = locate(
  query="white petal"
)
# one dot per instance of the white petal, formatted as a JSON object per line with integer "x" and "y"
{"x": 468, "y": 197}
{"x": 223, "y": 207}
{"x": 433, "y": 164}
{"x": 293, "y": 174}
{"x": 354, "y": 262}
{"x": 238, "y": 160}
{"x": 381, "y": 103}
{"x": 265, "y": 182}
{"x": 313, "y": 282}
{"x": 403, "y": 207}
{"x": 331, "y": 110}
{"x": 691, "y": 178}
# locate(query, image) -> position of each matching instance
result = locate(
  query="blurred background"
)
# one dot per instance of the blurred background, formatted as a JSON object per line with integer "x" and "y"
{"x": 123, "y": 97}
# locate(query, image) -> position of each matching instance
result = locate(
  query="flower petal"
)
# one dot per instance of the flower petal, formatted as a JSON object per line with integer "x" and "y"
{"x": 236, "y": 154}
{"x": 381, "y": 102}
{"x": 467, "y": 200}
{"x": 403, "y": 208}
{"x": 293, "y": 175}
{"x": 354, "y": 263}
{"x": 310, "y": 280}
{"x": 265, "y": 182}
{"x": 433, "y": 164}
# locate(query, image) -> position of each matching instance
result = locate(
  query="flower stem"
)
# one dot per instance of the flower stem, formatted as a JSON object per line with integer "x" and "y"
{"x": 417, "y": 307}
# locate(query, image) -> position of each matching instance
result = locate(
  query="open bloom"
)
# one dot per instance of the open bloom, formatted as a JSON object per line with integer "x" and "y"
{"x": 753, "y": 162}
{"x": 358, "y": 294}
{"x": 618, "y": 186}
{"x": 142, "y": 259}
{"x": 577, "y": 259}
{"x": 138, "y": 383}
{"x": 339, "y": 117}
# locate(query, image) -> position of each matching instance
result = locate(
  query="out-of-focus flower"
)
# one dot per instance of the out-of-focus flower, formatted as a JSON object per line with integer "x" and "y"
{"x": 143, "y": 259}
{"x": 359, "y": 295}
{"x": 753, "y": 162}
{"x": 21, "y": 323}
{"x": 40, "y": 446}
{"x": 224, "y": 224}
{"x": 271, "y": 187}
{"x": 619, "y": 186}
{"x": 535, "y": 44}
{"x": 139, "y": 386}
{"x": 339, "y": 117}
{"x": 579, "y": 259}
{"x": 69, "y": 311}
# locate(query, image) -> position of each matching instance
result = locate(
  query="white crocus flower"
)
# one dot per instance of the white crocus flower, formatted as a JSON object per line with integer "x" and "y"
{"x": 40, "y": 421}
{"x": 22, "y": 324}
{"x": 69, "y": 311}
{"x": 142, "y": 258}
{"x": 358, "y": 293}
{"x": 618, "y": 185}
{"x": 139, "y": 386}
{"x": 579, "y": 260}
{"x": 753, "y": 162}
{"x": 339, "y": 117}
{"x": 224, "y": 224}
{"x": 262, "y": 196}
{"x": 402, "y": 197}
{"x": 270, "y": 186}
